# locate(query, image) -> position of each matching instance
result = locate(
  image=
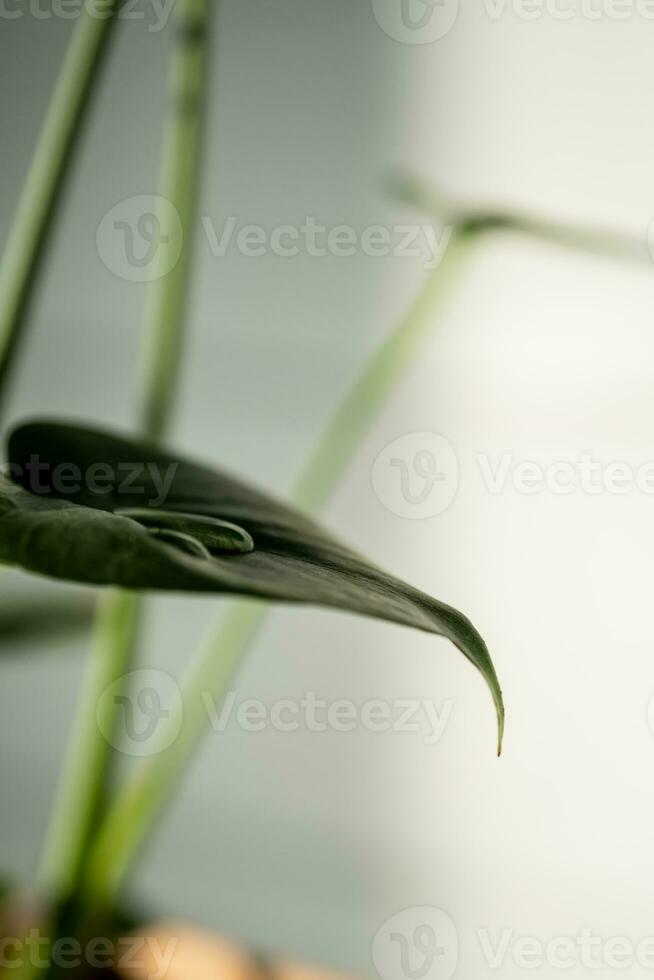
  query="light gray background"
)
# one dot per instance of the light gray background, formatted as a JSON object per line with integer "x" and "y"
{"x": 307, "y": 843}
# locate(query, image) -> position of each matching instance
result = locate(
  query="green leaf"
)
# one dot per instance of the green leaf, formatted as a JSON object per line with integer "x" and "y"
{"x": 27, "y": 620}
{"x": 93, "y": 507}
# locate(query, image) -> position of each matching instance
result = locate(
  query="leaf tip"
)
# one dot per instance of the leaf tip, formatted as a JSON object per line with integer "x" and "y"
{"x": 499, "y": 705}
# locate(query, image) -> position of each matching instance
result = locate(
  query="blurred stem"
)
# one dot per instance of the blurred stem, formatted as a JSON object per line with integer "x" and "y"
{"x": 134, "y": 813}
{"x": 82, "y": 786}
{"x": 178, "y": 186}
{"x": 593, "y": 240}
{"x": 41, "y": 195}
{"x": 83, "y": 791}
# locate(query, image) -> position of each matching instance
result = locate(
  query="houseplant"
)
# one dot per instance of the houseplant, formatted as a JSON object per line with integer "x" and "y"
{"x": 93, "y": 841}
{"x": 186, "y": 527}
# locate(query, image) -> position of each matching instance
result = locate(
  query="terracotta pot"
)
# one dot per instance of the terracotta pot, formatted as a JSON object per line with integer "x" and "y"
{"x": 177, "y": 952}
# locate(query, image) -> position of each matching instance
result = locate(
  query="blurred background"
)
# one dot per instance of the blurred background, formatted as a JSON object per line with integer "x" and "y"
{"x": 309, "y": 842}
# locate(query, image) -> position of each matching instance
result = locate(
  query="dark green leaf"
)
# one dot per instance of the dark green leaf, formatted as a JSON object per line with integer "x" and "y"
{"x": 28, "y": 619}
{"x": 97, "y": 508}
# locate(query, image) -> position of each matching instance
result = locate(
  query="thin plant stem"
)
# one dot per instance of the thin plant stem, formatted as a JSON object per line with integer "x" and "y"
{"x": 178, "y": 188}
{"x": 84, "y": 783}
{"x": 596, "y": 240}
{"x": 42, "y": 195}
{"x": 81, "y": 789}
{"x": 139, "y": 804}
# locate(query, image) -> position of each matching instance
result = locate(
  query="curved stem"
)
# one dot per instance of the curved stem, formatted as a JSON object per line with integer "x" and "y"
{"x": 353, "y": 417}
{"x": 141, "y": 801}
{"x": 42, "y": 192}
{"x": 591, "y": 239}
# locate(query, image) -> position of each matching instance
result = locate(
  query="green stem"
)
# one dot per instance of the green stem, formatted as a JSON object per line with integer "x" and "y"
{"x": 141, "y": 801}
{"x": 82, "y": 786}
{"x": 178, "y": 186}
{"x": 42, "y": 192}
{"x": 83, "y": 791}
{"x": 592, "y": 240}
{"x": 135, "y": 811}
{"x": 352, "y": 419}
